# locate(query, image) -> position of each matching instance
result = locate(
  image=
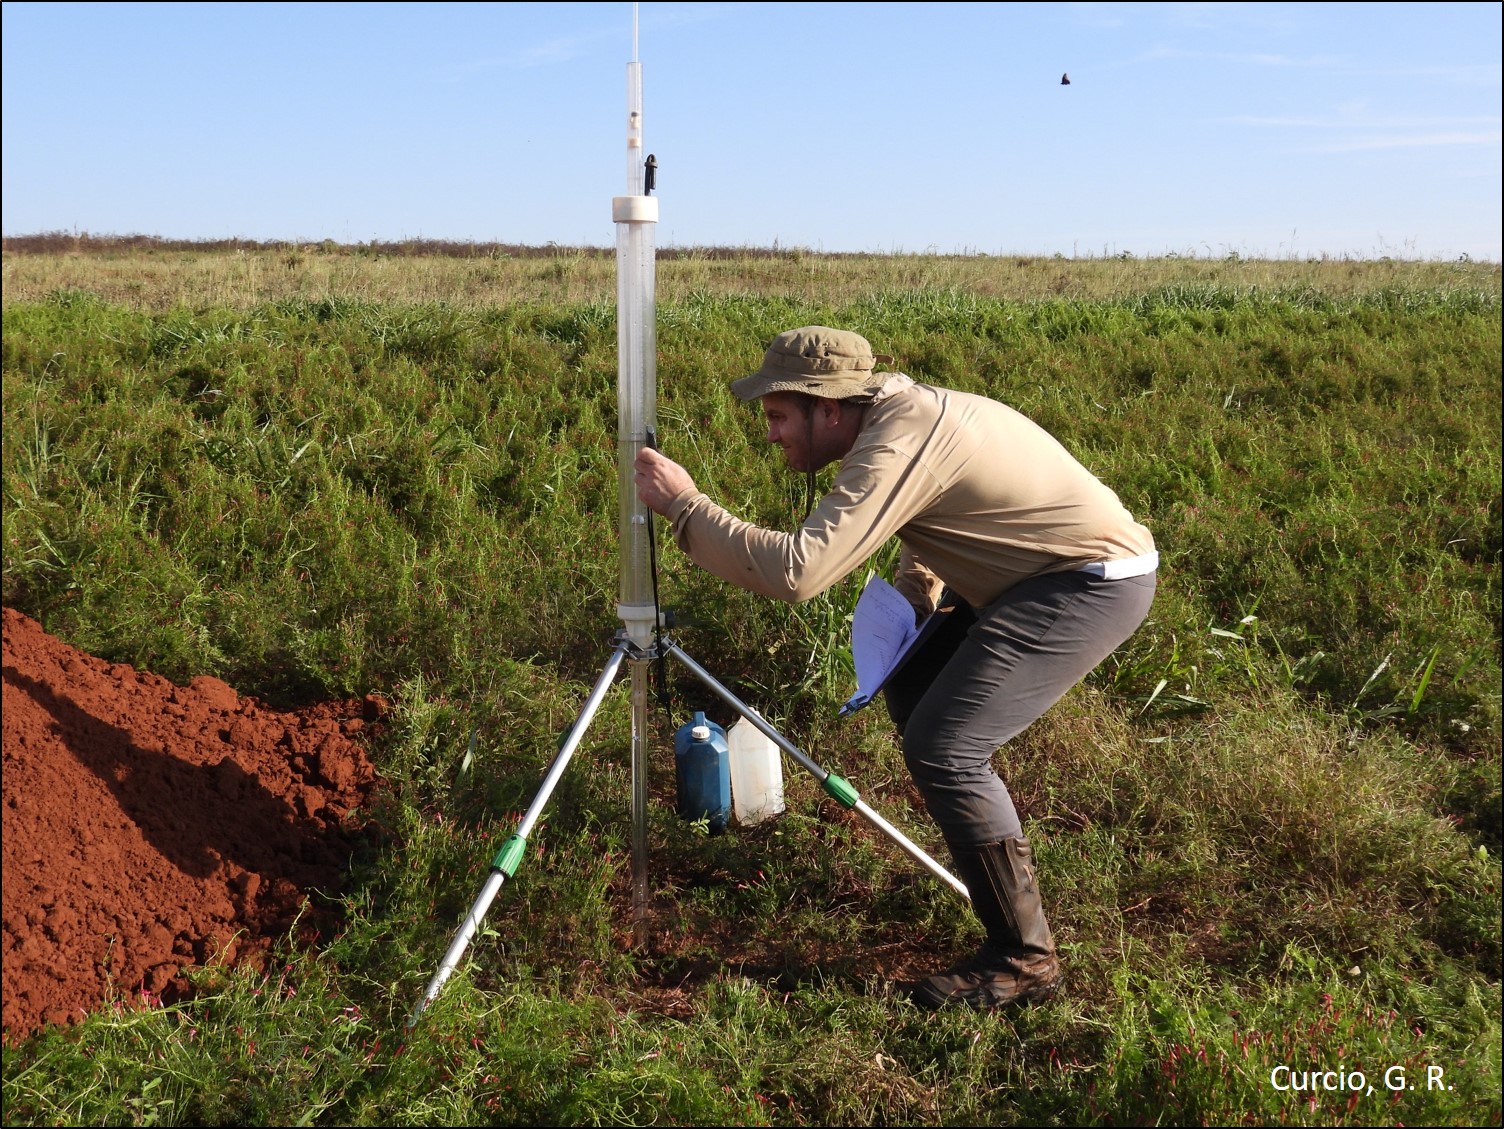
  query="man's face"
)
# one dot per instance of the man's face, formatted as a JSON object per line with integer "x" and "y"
{"x": 789, "y": 425}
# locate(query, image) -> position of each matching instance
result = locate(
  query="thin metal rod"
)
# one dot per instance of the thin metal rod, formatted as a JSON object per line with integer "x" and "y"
{"x": 745, "y": 710}
{"x": 639, "y": 671}
{"x": 572, "y": 741}
{"x": 913, "y": 850}
{"x": 859, "y": 806}
{"x": 494, "y": 880}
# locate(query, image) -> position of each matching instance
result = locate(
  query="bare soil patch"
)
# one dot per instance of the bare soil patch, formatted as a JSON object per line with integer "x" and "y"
{"x": 149, "y": 827}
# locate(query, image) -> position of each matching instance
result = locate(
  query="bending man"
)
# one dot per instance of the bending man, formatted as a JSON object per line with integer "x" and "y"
{"x": 1048, "y": 573}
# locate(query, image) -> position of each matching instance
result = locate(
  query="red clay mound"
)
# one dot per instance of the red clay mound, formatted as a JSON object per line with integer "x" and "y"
{"x": 149, "y": 827}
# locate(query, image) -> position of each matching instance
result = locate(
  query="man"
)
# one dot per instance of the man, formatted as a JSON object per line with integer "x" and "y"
{"x": 1047, "y": 571}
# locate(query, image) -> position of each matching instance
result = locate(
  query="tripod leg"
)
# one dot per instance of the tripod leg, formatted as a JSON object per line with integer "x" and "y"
{"x": 639, "y": 672}
{"x": 838, "y": 788}
{"x": 510, "y": 856}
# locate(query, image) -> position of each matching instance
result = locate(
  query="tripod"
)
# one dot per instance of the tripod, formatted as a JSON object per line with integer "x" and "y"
{"x": 509, "y": 857}
{"x": 640, "y": 641}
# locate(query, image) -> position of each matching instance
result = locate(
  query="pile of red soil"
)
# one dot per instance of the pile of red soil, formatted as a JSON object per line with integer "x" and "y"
{"x": 149, "y": 827}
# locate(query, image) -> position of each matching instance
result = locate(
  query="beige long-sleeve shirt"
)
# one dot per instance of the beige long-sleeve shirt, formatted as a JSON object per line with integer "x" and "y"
{"x": 980, "y": 496}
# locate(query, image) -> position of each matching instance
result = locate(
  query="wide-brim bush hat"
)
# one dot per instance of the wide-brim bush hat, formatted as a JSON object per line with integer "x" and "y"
{"x": 834, "y": 364}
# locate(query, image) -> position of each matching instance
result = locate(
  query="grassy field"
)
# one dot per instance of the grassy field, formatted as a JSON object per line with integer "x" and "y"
{"x": 1268, "y": 827}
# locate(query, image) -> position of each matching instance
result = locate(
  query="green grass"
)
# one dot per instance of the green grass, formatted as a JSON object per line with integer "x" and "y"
{"x": 1268, "y": 827}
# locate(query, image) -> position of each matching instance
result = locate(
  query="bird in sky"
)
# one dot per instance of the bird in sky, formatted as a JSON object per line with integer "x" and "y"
{"x": 1065, "y": 80}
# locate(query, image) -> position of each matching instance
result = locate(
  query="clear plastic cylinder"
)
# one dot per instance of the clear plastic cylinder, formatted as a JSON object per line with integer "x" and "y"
{"x": 635, "y": 216}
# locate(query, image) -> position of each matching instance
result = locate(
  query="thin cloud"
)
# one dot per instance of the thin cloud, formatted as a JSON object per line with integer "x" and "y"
{"x": 1211, "y": 16}
{"x": 684, "y": 15}
{"x": 1468, "y": 74}
{"x": 566, "y": 49}
{"x": 1355, "y": 122}
{"x": 1098, "y": 15}
{"x": 1365, "y": 133}
{"x": 1412, "y": 141}
{"x": 1461, "y": 74}
{"x": 1254, "y": 58}
{"x": 550, "y": 52}
{"x": 1259, "y": 59}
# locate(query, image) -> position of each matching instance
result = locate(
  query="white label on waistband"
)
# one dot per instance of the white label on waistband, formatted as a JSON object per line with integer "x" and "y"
{"x": 1123, "y": 569}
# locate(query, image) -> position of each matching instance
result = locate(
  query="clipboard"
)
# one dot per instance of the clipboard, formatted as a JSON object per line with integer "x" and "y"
{"x": 884, "y": 637}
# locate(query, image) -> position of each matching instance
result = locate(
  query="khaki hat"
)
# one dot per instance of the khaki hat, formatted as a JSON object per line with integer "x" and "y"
{"x": 819, "y": 361}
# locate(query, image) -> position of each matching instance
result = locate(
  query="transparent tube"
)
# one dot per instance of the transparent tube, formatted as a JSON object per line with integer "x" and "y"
{"x": 634, "y": 129}
{"x": 635, "y": 216}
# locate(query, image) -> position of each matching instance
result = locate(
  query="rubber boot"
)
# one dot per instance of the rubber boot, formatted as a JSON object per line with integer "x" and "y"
{"x": 1017, "y": 964}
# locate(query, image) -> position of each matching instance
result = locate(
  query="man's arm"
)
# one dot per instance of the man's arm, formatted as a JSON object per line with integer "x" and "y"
{"x": 874, "y": 494}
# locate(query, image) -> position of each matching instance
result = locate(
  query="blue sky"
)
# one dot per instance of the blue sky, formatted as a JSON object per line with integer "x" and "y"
{"x": 1265, "y": 129}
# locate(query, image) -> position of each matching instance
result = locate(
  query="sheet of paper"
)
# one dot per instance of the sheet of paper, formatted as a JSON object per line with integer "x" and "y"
{"x": 882, "y": 627}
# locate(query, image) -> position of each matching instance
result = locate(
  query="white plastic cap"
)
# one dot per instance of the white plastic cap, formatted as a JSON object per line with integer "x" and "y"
{"x": 634, "y": 209}
{"x": 700, "y": 733}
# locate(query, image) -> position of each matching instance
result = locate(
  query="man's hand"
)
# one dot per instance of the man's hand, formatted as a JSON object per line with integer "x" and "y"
{"x": 659, "y": 479}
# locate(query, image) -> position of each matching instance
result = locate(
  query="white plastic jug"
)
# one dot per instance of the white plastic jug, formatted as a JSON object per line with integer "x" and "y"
{"x": 756, "y": 774}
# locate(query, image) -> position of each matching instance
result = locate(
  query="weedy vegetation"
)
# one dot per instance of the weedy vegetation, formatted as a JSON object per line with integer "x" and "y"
{"x": 1268, "y": 827}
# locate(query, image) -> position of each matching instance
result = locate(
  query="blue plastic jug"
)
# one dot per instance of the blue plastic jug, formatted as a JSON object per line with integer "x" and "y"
{"x": 702, "y": 764}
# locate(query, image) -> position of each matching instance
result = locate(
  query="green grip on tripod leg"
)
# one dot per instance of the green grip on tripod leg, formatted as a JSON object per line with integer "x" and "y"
{"x": 843, "y": 792}
{"x": 510, "y": 856}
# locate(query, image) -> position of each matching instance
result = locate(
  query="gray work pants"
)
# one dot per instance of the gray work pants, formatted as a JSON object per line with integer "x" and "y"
{"x": 985, "y": 676}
